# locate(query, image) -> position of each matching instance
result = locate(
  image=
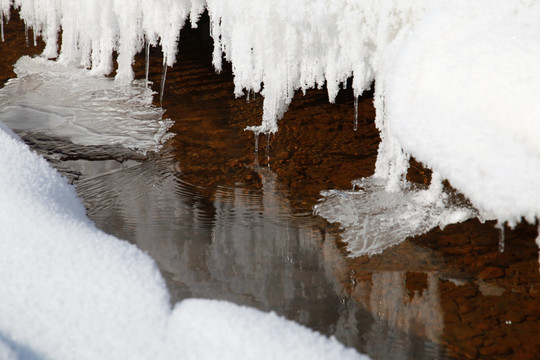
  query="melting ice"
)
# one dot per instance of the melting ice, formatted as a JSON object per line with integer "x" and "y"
{"x": 374, "y": 219}
{"x": 65, "y": 102}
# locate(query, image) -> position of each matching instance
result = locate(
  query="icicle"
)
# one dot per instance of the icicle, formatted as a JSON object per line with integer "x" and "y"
{"x": 355, "y": 112}
{"x": 26, "y": 35}
{"x": 2, "y": 27}
{"x": 163, "y": 78}
{"x": 538, "y": 238}
{"x": 35, "y": 37}
{"x": 500, "y": 227}
{"x": 247, "y": 98}
{"x": 147, "y": 64}
{"x": 256, "y": 153}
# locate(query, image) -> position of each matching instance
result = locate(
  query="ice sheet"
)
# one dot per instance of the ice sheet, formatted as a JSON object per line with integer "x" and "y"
{"x": 67, "y": 102}
{"x": 374, "y": 219}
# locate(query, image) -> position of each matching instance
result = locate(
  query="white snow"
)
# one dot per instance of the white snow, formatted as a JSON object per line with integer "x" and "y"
{"x": 70, "y": 291}
{"x": 463, "y": 99}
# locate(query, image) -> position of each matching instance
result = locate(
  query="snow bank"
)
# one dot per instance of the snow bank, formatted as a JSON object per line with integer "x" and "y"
{"x": 463, "y": 99}
{"x": 457, "y": 90}
{"x": 70, "y": 291}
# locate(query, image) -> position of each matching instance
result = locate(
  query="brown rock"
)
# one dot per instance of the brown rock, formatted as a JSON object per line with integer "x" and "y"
{"x": 532, "y": 307}
{"x": 491, "y": 273}
{"x": 496, "y": 349}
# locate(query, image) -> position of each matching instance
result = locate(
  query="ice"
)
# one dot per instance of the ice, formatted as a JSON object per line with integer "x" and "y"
{"x": 162, "y": 84}
{"x": 147, "y": 64}
{"x": 49, "y": 97}
{"x": 71, "y": 291}
{"x": 374, "y": 219}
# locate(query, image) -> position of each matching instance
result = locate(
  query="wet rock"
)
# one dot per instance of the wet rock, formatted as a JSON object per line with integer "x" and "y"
{"x": 491, "y": 273}
{"x": 466, "y": 332}
{"x": 496, "y": 349}
{"x": 533, "y": 307}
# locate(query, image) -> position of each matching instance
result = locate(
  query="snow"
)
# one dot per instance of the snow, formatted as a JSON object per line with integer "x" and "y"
{"x": 71, "y": 291}
{"x": 462, "y": 99}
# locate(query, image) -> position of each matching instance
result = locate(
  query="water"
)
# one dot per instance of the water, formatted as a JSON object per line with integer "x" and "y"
{"x": 246, "y": 245}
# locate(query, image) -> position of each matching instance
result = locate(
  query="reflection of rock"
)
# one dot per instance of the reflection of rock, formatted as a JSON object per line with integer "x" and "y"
{"x": 245, "y": 246}
{"x": 420, "y": 311}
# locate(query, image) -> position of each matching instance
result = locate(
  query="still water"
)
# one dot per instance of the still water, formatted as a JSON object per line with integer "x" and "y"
{"x": 246, "y": 245}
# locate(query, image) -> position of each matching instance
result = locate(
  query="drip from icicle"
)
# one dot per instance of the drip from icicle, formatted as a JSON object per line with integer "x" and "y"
{"x": 355, "y": 112}
{"x": 35, "y": 37}
{"x": 2, "y": 27}
{"x": 247, "y": 97}
{"x": 500, "y": 227}
{"x": 163, "y": 78}
{"x": 26, "y": 36}
{"x": 147, "y": 64}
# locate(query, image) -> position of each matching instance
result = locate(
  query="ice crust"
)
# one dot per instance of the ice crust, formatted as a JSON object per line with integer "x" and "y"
{"x": 61, "y": 101}
{"x": 374, "y": 219}
{"x": 70, "y": 291}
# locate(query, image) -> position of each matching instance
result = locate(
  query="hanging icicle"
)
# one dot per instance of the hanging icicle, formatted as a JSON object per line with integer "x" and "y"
{"x": 355, "y": 112}
{"x": 163, "y": 79}
{"x": 502, "y": 239}
{"x": 147, "y": 63}
{"x": 256, "y": 152}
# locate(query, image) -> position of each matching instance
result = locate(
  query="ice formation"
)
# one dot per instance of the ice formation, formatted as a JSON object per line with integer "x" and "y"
{"x": 448, "y": 75}
{"x": 374, "y": 219}
{"x": 64, "y": 102}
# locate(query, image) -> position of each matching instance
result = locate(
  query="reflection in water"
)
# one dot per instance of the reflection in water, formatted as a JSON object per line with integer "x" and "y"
{"x": 393, "y": 304}
{"x": 246, "y": 246}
